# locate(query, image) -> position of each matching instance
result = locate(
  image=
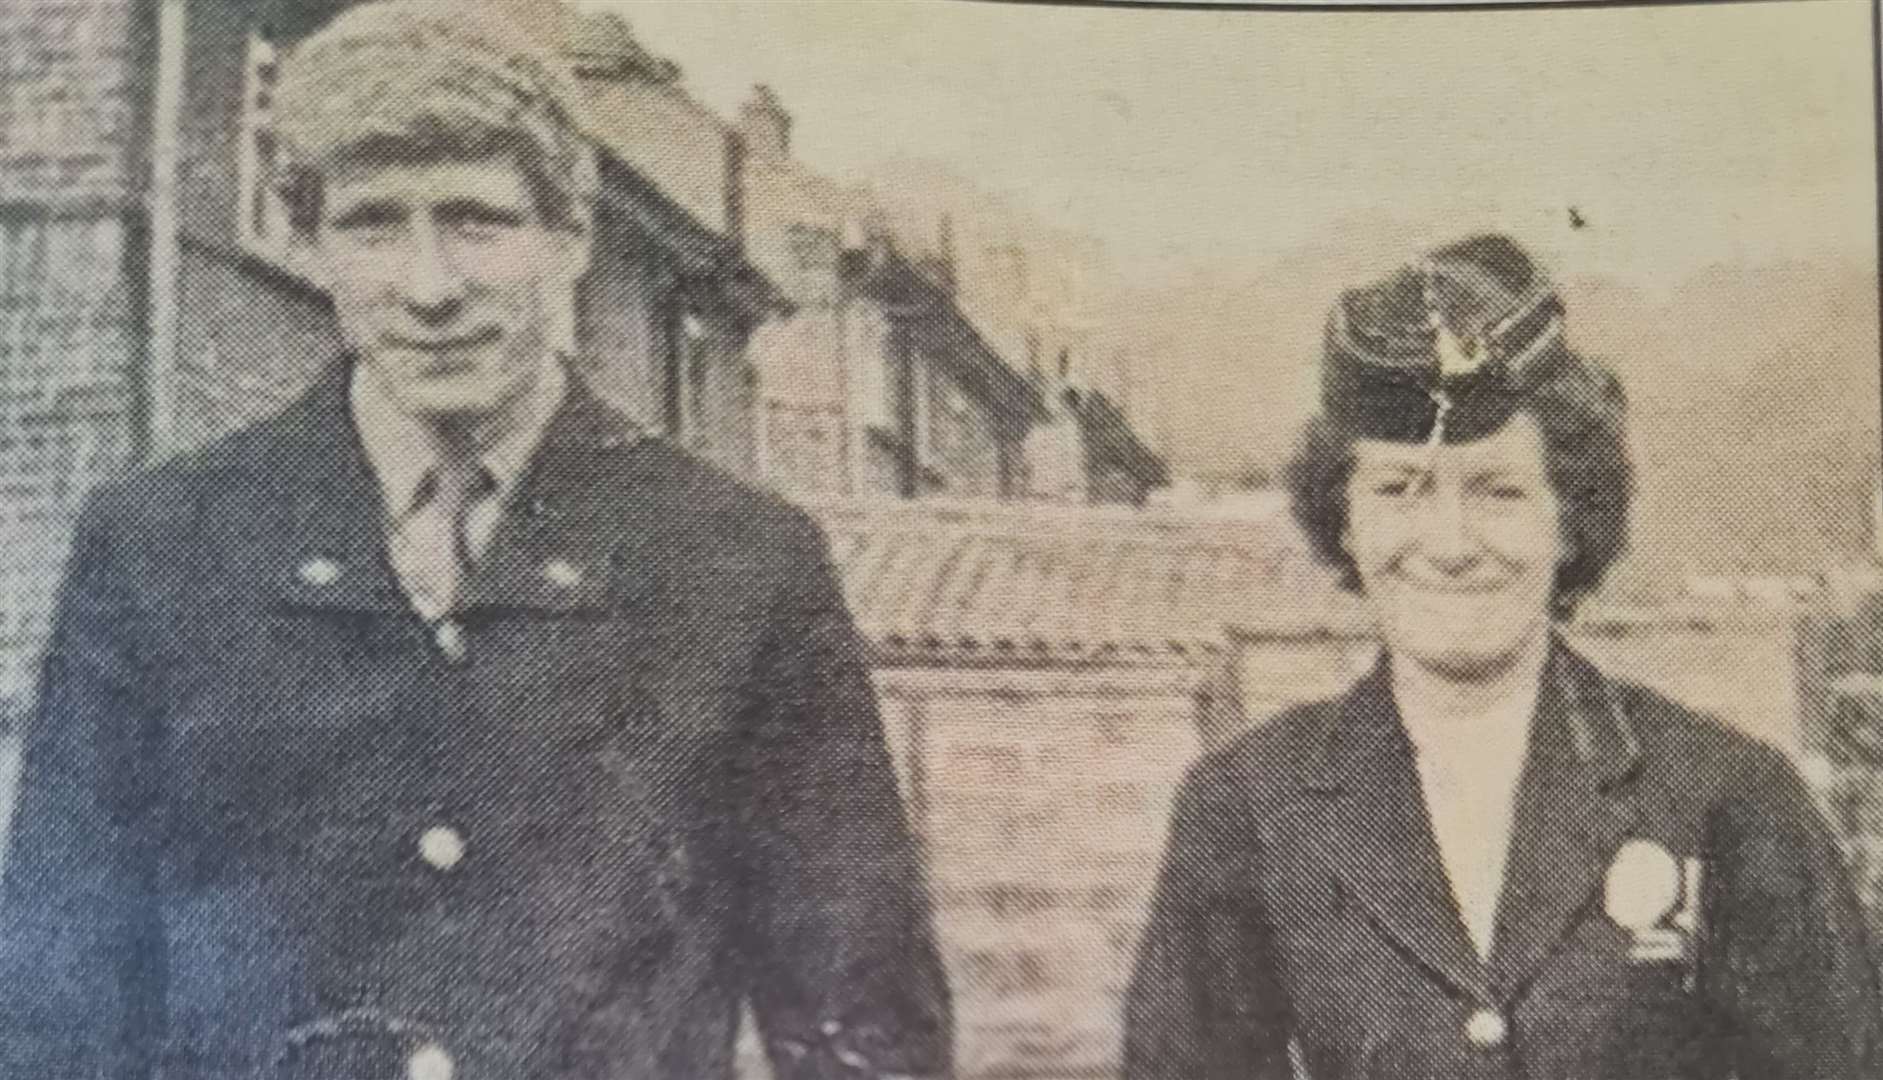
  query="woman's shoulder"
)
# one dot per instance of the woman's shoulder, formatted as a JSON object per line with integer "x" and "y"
{"x": 1271, "y": 758}
{"x": 1689, "y": 748}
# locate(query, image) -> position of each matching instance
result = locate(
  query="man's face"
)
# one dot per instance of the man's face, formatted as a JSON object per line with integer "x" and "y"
{"x": 1457, "y": 550}
{"x": 446, "y": 280}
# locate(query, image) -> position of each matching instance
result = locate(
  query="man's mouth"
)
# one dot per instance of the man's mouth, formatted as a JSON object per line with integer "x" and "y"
{"x": 444, "y": 344}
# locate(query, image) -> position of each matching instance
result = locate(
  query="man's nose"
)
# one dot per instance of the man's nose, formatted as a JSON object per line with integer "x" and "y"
{"x": 432, "y": 285}
{"x": 1445, "y": 534}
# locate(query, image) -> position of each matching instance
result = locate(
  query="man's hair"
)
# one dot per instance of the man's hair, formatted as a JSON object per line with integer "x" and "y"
{"x": 426, "y": 81}
{"x": 1581, "y": 410}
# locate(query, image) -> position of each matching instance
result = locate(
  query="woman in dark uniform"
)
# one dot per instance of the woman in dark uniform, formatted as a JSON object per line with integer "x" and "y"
{"x": 1489, "y": 859}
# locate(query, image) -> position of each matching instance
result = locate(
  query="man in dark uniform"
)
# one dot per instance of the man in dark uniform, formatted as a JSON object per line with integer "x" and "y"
{"x": 1489, "y": 859}
{"x": 441, "y": 726}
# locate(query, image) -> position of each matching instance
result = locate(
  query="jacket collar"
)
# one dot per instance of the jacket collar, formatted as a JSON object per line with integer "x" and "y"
{"x": 1579, "y": 713}
{"x": 1572, "y": 811}
{"x": 552, "y": 551}
{"x": 403, "y": 452}
{"x": 1575, "y": 806}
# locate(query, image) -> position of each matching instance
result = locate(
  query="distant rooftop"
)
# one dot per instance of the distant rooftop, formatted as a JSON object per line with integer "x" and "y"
{"x": 1027, "y": 581}
{"x": 602, "y": 46}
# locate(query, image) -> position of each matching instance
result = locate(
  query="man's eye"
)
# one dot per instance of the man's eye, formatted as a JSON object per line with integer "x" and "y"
{"x": 479, "y": 223}
{"x": 373, "y": 235}
{"x": 1392, "y": 489}
{"x": 1509, "y": 492}
{"x": 366, "y": 218}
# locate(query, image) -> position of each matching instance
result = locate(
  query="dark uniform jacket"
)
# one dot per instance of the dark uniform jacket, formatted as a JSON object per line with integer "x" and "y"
{"x": 274, "y": 825}
{"x": 1303, "y": 902}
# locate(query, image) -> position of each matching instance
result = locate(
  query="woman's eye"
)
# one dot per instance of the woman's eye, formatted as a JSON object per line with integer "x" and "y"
{"x": 477, "y": 230}
{"x": 1509, "y": 492}
{"x": 1392, "y": 489}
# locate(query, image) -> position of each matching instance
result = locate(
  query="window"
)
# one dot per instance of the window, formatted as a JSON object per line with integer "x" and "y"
{"x": 22, "y": 261}
{"x": 262, "y": 218}
{"x": 921, "y": 391}
{"x": 868, "y": 355}
{"x": 812, "y": 248}
{"x": 687, "y": 361}
{"x": 955, "y": 401}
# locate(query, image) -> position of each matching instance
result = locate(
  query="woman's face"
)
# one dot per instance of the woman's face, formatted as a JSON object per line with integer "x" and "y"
{"x": 1457, "y": 548}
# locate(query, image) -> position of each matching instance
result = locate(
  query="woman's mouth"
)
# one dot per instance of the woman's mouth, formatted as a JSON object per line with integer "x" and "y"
{"x": 1454, "y": 587}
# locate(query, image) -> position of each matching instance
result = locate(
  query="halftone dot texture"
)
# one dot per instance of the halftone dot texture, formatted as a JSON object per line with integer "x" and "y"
{"x": 435, "y": 77}
{"x": 1046, "y": 675}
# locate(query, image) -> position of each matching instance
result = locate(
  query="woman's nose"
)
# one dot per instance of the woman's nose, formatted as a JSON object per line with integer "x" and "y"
{"x": 1445, "y": 535}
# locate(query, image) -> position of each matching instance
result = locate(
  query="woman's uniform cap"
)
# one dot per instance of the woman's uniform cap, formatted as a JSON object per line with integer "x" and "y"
{"x": 1444, "y": 349}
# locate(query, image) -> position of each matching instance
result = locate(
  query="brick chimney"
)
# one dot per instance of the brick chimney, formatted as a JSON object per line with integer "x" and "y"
{"x": 601, "y": 46}
{"x": 763, "y": 122}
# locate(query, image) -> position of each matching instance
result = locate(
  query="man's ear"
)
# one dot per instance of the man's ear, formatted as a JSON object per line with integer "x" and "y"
{"x": 306, "y": 260}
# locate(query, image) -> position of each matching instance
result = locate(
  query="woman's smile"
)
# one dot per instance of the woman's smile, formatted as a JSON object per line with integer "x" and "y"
{"x": 1457, "y": 550}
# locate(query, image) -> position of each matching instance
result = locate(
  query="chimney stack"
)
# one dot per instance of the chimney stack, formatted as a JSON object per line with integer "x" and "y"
{"x": 764, "y": 123}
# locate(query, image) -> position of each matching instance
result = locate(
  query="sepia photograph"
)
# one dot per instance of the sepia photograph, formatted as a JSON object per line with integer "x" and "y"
{"x": 927, "y": 539}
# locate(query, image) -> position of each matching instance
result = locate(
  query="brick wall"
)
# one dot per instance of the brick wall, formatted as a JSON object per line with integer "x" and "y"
{"x": 69, "y": 402}
{"x": 1041, "y": 795}
{"x": 1839, "y": 678}
{"x": 69, "y": 99}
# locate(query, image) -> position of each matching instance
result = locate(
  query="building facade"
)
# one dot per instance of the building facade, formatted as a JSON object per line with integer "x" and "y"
{"x": 873, "y": 384}
{"x": 76, "y": 92}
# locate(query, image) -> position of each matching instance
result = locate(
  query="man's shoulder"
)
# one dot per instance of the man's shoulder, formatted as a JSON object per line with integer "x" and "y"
{"x": 249, "y": 462}
{"x": 717, "y": 495}
{"x": 703, "y": 506}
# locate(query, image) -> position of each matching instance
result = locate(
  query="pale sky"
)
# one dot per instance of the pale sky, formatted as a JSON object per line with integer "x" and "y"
{"x": 1739, "y": 133}
{"x": 1241, "y": 167}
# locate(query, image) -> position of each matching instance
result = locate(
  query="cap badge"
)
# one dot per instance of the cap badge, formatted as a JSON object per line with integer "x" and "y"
{"x": 1456, "y": 357}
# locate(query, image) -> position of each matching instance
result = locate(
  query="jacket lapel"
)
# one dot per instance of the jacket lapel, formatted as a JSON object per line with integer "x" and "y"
{"x": 329, "y": 551}
{"x": 555, "y": 549}
{"x": 1379, "y": 841}
{"x": 566, "y": 533}
{"x": 1573, "y": 810}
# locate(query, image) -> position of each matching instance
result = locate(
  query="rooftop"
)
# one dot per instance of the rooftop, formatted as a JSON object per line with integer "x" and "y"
{"x": 1018, "y": 582}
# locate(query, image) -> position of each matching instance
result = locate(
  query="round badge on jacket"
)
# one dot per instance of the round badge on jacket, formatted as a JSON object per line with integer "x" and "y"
{"x": 1643, "y": 885}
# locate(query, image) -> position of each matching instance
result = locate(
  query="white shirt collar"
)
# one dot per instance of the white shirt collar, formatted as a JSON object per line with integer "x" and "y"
{"x": 402, "y": 450}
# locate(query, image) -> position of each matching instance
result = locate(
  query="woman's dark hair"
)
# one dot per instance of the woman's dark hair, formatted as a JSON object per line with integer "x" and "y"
{"x": 1580, "y": 408}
